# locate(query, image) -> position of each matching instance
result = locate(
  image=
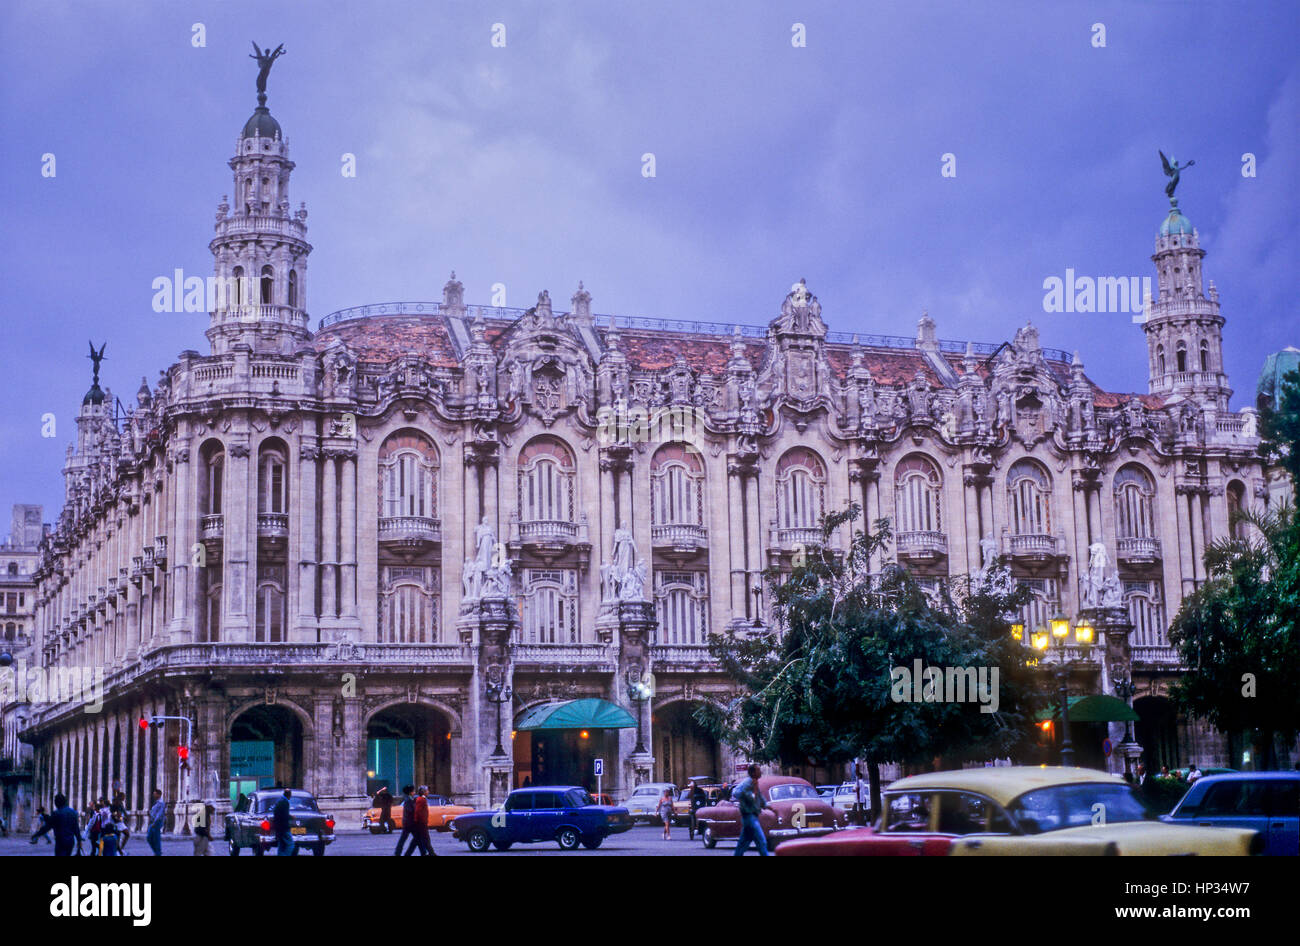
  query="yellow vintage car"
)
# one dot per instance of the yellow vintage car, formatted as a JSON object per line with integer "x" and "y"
{"x": 441, "y": 814}
{"x": 1037, "y": 810}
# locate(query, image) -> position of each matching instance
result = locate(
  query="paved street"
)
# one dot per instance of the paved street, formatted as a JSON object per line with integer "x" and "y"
{"x": 641, "y": 840}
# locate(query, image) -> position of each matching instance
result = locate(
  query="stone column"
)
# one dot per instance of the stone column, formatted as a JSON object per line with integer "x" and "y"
{"x": 305, "y": 620}
{"x": 1198, "y": 535}
{"x": 636, "y": 625}
{"x": 239, "y": 544}
{"x": 348, "y": 568}
{"x": 1183, "y": 503}
{"x": 735, "y": 541}
{"x": 755, "y": 541}
{"x": 329, "y": 543}
{"x": 183, "y": 521}
{"x": 493, "y": 620}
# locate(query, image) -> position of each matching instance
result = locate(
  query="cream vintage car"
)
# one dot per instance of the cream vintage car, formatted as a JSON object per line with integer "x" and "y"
{"x": 1021, "y": 810}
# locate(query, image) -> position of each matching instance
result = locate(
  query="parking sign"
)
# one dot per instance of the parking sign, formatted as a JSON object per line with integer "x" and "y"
{"x": 600, "y": 767}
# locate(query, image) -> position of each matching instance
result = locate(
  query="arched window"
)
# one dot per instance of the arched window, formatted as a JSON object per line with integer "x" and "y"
{"x": 268, "y": 284}
{"x": 272, "y": 482}
{"x": 1236, "y": 495}
{"x": 1029, "y": 498}
{"x": 238, "y": 275}
{"x": 546, "y": 482}
{"x": 549, "y": 607}
{"x": 1160, "y": 359}
{"x": 293, "y": 289}
{"x": 270, "y": 614}
{"x": 1182, "y": 356}
{"x": 800, "y": 489}
{"x": 1205, "y": 355}
{"x": 1134, "y": 504}
{"x": 408, "y": 476}
{"x": 210, "y": 484}
{"x": 677, "y": 486}
{"x": 210, "y": 632}
{"x": 681, "y": 600}
{"x": 1145, "y": 603}
{"x": 916, "y": 496}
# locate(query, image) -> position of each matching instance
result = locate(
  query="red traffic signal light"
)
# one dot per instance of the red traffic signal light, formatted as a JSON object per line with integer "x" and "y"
{"x": 144, "y": 723}
{"x": 183, "y": 752}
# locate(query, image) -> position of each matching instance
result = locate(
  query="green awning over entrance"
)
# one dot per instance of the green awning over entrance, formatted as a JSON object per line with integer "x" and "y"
{"x": 577, "y": 714}
{"x": 1095, "y": 708}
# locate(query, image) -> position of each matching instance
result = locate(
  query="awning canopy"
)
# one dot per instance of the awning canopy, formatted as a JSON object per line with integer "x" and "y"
{"x": 577, "y": 714}
{"x": 1095, "y": 708}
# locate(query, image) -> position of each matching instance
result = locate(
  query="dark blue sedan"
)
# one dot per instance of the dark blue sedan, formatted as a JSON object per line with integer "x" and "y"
{"x": 1268, "y": 802}
{"x": 565, "y": 814}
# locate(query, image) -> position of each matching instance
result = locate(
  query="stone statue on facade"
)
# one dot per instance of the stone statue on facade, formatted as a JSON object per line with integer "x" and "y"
{"x": 1095, "y": 580}
{"x": 624, "y": 578}
{"x": 1112, "y": 592}
{"x": 632, "y": 587}
{"x": 481, "y": 578}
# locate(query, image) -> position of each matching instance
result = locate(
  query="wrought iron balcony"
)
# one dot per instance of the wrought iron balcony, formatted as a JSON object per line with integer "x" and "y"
{"x": 410, "y": 530}
{"x": 273, "y": 525}
{"x": 1135, "y": 549}
{"x": 921, "y": 546}
{"x": 211, "y": 528}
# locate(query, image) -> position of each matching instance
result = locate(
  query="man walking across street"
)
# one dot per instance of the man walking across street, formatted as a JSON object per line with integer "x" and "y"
{"x": 203, "y": 831}
{"x": 42, "y": 825}
{"x": 157, "y": 812}
{"x": 408, "y": 817}
{"x": 420, "y": 824}
{"x": 698, "y": 800}
{"x": 285, "y": 846}
{"x": 65, "y": 825}
{"x": 384, "y": 802}
{"x": 751, "y": 802}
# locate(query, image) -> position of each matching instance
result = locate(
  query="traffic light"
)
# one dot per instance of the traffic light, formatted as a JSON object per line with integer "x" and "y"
{"x": 144, "y": 723}
{"x": 183, "y": 753}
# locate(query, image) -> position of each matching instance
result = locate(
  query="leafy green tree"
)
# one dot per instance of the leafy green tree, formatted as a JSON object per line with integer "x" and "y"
{"x": 1280, "y": 430}
{"x": 819, "y": 684}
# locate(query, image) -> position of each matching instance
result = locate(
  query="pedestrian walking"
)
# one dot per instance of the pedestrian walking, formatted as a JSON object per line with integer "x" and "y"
{"x": 157, "y": 813}
{"x": 665, "y": 809}
{"x": 408, "y": 817}
{"x": 384, "y": 802}
{"x": 285, "y": 846}
{"x": 751, "y": 802}
{"x": 420, "y": 824}
{"x": 698, "y": 800}
{"x": 123, "y": 831}
{"x": 203, "y": 831}
{"x": 96, "y": 825}
{"x": 110, "y": 840}
{"x": 42, "y": 826}
{"x": 65, "y": 826}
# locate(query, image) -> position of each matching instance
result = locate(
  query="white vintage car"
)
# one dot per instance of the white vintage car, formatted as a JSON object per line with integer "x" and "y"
{"x": 643, "y": 803}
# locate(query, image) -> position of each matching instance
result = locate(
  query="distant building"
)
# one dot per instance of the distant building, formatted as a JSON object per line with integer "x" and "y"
{"x": 1268, "y": 394}
{"x": 362, "y": 555}
{"x": 19, "y": 555}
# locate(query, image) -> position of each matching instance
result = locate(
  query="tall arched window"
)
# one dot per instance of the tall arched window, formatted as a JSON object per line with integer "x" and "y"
{"x": 1134, "y": 503}
{"x": 1181, "y": 354}
{"x": 268, "y": 284}
{"x": 293, "y": 289}
{"x": 1160, "y": 359}
{"x": 1236, "y": 496}
{"x": 677, "y": 486}
{"x": 1145, "y": 603}
{"x": 800, "y": 489}
{"x": 238, "y": 275}
{"x": 272, "y": 481}
{"x": 210, "y": 631}
{"x": 681, "y": 601}
{"x": 547, "y": 482}
{"x": 549, "y": 607}
{"x": 916, "y": 496}
{"x": 1205, "y": 355}
{"x": 408, "y": 477}
{"x": 270, "y": 614}
{"x": 1029, "y": 498}
{"x": 408, "y": 607}
{"x": 210, "y": 485}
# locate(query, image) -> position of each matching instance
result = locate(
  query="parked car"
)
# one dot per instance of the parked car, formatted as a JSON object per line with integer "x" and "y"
{"x": 441, "y": 813}
{"x": 604, "y": 798}
{"x": 846, "y": 796}
{"x": 1268, "y": 802}
{"x": 682, "y": 803}
{"x": 1021, "y": 810}
{"x": 565, "y": 814}
{"x": 249, "y": 826}
{"x": 643, "y": 803}
{"x": 827, "y": 792}
{"x": 794, "y": 810}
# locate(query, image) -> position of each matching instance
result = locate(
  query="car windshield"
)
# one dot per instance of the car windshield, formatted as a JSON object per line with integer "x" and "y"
{"x": 296, "y": 803}
{"x": 577, "y": 798}
{"x": 647, "y": 790}
{"x": 792, "y": 791}
{"x": 1075, "y": 806}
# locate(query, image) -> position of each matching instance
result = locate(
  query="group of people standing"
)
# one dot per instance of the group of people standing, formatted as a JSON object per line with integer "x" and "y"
{"x": 106, "y": 829}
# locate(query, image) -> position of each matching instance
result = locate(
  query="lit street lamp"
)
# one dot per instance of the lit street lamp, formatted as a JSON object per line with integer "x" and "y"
{"x": 498, "y": 692}
{"x": 638, "y": 691}
{"x": 1053, "y": 645}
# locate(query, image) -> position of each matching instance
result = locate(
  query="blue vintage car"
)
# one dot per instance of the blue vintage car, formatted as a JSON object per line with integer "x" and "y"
{"x": 565, "y": 814}
{"x": 1268, "y": 802}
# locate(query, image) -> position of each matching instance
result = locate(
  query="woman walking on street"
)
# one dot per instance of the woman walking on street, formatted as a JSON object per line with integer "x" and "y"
{"x": 666, "y": 812}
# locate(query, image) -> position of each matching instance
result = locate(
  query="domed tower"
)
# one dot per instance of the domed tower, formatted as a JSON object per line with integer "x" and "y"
{"x": 1183, "y": 327}
{"x": 260, "y": 250}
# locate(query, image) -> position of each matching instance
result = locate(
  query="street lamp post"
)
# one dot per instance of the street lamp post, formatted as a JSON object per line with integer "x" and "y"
{"x": 637, "y": 692}
{"x": 500, "y": 693}
{"x": 1056, "y": 642}
{"x": 758, "y": 604}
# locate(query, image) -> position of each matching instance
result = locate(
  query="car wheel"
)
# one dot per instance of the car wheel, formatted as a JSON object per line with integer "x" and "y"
{"x": 234, "y": 848}
{"x": 478, "y": 841}
{"x": 592, "y": 843}
{"x": 567, "y": 838}
{"x": 707, "y": 836}
{"x": 502, "y": 845}
{"x": 318, "y": 850}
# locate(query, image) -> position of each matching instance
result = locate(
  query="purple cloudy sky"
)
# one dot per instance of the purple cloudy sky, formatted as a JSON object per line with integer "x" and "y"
{"x": 522, "y": 166}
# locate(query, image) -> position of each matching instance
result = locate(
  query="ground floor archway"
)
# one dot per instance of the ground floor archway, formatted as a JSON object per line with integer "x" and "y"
{"x": 683, "y": 748}
{"x": 266, "y": 750}
{"x": 408, "y": 744}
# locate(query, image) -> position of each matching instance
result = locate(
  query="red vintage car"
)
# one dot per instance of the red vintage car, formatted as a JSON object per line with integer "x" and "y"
{"x": 794, "y": 810}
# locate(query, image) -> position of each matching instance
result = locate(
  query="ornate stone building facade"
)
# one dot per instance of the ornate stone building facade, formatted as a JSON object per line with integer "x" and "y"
{"x": 365, "y": 552}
